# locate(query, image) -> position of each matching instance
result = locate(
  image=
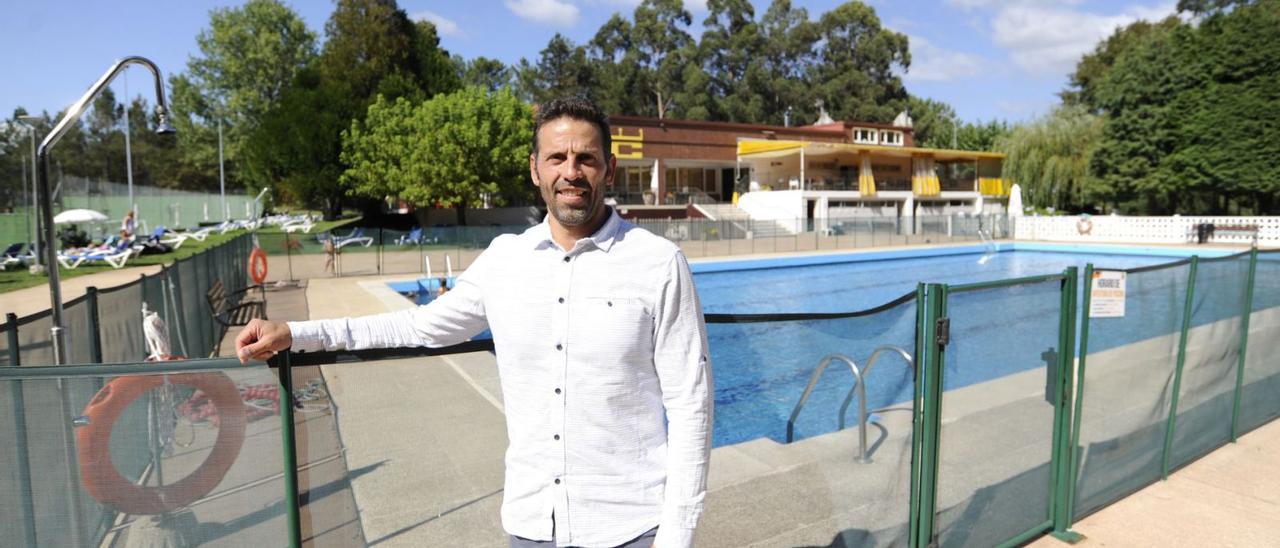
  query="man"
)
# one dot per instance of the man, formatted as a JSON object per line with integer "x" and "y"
{"x": 599, "y": 337}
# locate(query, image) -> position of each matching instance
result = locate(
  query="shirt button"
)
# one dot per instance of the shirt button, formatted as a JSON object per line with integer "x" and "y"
{"x": 561, "y": 300}
{"x": 557, "y": 481}
{"x": 557, "y": 390}
{"x": 566, "y": 258}
{"x": 557, "y": 437}
{"x": 559, "y": 347}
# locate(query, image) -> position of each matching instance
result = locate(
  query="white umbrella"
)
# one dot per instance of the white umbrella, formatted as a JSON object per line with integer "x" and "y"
{"x": 1015, "y": 201}
{"x": 79, "y": 216}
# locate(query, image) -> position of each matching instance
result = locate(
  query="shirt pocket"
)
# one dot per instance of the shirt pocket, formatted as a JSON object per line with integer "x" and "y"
{"x": 613, "y": 328}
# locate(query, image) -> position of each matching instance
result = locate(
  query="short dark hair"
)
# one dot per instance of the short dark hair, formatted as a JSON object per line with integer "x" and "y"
{"x": 577, "y": 108}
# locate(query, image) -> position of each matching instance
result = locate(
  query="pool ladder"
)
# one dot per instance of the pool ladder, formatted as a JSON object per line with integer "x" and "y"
{"x": 859, "y": 388}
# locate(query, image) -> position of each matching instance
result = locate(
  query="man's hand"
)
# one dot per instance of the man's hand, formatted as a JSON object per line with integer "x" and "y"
{"x": 261, "y": 339}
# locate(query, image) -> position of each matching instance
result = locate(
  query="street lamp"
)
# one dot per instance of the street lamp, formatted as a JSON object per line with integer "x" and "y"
{"x": 72, "y": 117}
{"x": 29, "y": 123}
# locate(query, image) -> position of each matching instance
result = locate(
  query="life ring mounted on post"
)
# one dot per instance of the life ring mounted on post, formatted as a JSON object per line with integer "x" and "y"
{"x": 258, "y": 265}
{"x": 105, "y": 484}
{"x": 1085, "y": 225}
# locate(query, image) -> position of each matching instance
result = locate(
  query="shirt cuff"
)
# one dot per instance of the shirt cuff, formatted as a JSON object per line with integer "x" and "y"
{"x": 307, "y": 336}
{"x": 673, "y": 536}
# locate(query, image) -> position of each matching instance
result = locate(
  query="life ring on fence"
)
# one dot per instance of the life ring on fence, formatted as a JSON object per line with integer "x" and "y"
{"x": 258, "y": 265}
{"x": 1084, "y": 226}
{"x": 105, "y": 484}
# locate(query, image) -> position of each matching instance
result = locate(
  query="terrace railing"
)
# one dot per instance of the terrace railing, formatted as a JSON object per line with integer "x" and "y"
{"x": 987, "y": 439}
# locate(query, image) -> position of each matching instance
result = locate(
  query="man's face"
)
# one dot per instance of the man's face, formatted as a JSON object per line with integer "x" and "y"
{"x": 571, "y": 170}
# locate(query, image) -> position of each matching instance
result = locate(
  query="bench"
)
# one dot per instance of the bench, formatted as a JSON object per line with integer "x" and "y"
{"x": 239, "y": 314}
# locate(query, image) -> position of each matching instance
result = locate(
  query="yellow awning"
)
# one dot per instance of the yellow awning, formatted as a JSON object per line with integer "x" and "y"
{"x": 769, "y": 148}
{"x": 752, "y": 148}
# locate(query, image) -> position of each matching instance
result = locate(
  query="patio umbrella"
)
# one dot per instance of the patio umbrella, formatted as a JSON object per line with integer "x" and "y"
{"x": 79, "y": 216}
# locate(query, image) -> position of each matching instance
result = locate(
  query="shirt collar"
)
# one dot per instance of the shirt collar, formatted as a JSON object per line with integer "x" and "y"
{"x": 603, "y": 238}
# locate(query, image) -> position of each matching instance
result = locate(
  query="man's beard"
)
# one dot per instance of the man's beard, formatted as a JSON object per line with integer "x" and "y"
{"x": 568, "y": 215}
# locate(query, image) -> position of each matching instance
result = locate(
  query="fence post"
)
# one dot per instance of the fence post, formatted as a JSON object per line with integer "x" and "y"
{"x": 1177, "y": 373}
{"x": 1244, "y": 344}
{"x": 95, "y": 325}
{"x": 1080, "y": 385}
{"x": 20, "y": 434}
{"x": 290, "y": 450}
{"x": 1064, "y": 440}
{"x": 929, "y": 418}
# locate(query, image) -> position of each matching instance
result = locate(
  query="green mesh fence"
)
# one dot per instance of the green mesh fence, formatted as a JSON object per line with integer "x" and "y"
{"x": 820, "y": 489}
{"x": 1207, "y": 388}
{"x": 178, "y": 293}
{"x": 1127, "y": 387}
{"x": 1000, "y": 387}
{"x": 202, "y": 446}
{"x": 1260, "y": 393}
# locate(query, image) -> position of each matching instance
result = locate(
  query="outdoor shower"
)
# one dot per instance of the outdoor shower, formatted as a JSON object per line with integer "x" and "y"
{"x": 42, "y": 181}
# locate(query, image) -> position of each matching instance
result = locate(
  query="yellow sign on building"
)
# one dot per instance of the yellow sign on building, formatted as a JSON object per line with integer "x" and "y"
{"x": 628, "y": 147}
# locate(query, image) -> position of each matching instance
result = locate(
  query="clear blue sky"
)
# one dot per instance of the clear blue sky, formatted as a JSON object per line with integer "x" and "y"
{"x": 988, "y": 58}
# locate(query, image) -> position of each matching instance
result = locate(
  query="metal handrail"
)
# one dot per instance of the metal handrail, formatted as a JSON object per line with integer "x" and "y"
{"x": 858, "y": 385}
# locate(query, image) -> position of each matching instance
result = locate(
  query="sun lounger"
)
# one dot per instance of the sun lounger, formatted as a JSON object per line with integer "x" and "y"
{"x": 414, "y": 237}
{"x": 115, "y": 256}
{"x": 355, "y": 237}
{"x": 13, "y": 256}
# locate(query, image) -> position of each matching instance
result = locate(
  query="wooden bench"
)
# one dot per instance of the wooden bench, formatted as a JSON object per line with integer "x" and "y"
{"x": 247, "y": 308}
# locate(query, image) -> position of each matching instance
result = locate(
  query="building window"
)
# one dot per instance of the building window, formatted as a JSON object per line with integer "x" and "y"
{"x": 864, "y": 136}
{"x": 893, "y": 138}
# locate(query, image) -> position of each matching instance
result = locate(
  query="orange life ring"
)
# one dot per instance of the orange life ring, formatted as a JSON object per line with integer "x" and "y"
{"x": 105, "y": 484}
{"x": 1084, "y": 226}
{"x": 258, "y": 265}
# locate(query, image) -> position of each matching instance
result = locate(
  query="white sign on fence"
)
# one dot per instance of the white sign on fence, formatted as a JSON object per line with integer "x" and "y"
{"x": 1106, "y": 297}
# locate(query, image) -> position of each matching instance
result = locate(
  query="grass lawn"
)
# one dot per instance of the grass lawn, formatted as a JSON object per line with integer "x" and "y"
{"x": 19, "y": 278}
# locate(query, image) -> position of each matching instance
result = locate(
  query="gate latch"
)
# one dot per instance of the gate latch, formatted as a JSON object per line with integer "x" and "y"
{"x": 942, "y": 331}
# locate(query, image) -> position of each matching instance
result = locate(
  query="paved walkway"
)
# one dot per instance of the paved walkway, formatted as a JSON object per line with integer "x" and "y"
{"x": 1231, "y": 497}
{"x": 30, "y": 300}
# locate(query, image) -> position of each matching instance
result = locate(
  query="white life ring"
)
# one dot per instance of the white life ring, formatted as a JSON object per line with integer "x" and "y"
{"x": 1084, "y": 226}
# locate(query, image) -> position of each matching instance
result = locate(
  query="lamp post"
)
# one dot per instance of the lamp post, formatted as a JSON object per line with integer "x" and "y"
{"x": 222, "y": 178}
{"x": 71, "y": 117}
{"x": 29, "y": 122}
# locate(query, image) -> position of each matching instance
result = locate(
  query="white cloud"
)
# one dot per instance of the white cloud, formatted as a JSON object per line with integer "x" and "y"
{"x": 930, "y": 63}
{"x": 1050, "y": 40}
{"x": 445, "y": 26}
{"x": 550, "y": 12}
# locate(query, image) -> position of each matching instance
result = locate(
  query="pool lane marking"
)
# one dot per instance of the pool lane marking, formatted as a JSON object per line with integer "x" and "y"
{"x": 483, "y": 393}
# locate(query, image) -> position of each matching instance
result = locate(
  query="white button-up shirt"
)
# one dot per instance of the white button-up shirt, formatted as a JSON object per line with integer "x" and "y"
{"x": 595, "y": 346}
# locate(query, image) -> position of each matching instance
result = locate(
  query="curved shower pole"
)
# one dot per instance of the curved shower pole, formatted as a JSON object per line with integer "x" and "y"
{"x": 42, "y": 181}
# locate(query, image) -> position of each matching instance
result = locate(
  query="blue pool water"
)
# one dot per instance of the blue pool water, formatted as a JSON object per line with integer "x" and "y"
{"x": 761, "y": 369}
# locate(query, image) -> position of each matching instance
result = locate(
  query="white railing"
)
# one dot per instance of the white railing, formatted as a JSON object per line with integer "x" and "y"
{"x": 1161, "y": 230}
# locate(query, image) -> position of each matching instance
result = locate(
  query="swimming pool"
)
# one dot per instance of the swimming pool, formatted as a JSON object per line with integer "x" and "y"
{"x": 761, "y": 369}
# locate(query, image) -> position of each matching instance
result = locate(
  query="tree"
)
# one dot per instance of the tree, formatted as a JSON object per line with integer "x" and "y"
{"x": 1094, "y": 66}
{"x": 1050, "y": 159}
{"x": 857, "y": 73}
{"x": 562, "y": 69}
{"x": 482, "y": 72}
{"x": 728, "y": 48}
{"x": 248, "y": 57}
{"x": 780, "y": 73}
{"x": 662, "y": 41}
{"x": 935, "y": 123}
{"x": 297, "y": 146}
{"x": 615, "y": 70}
{"x": 450, "y": 151}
